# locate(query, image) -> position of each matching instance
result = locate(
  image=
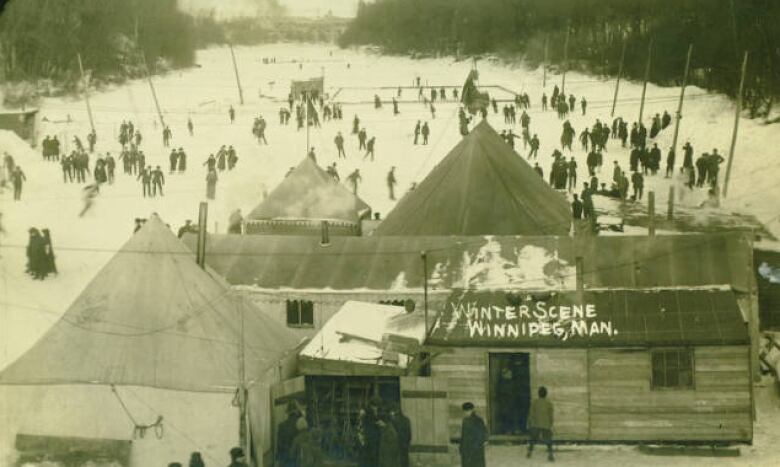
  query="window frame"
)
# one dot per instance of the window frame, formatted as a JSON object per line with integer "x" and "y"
{"x": 679, "y": 369}
{"x": 300, "y": 305}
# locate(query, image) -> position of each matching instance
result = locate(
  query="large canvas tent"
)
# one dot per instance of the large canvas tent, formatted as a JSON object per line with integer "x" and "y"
{"x": 482, "y": 187}
{"x": 153, "y": 319}
{"x": 307, "y": 196}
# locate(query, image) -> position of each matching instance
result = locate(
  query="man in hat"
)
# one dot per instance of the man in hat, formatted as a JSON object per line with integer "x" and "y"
{"x": 237, "y": 458}
{"x": 472, "y": 438}
{"x": 403, "y": 428}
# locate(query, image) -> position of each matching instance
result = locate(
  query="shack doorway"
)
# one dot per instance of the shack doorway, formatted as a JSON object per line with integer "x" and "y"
{"x": 334, "y": 405}
{"x": 510, "y": 393}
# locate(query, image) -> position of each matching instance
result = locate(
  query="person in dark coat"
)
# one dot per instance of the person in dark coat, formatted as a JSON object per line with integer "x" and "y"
{"x": 540, "y": 421}
{"x": 158, "y": 180}
{"x": 306, "y": 447}
{"x": 173, "y": 159}
{"x": 638, "y": 181}
{"x": 182, "y": 161}
{"x": 110, "y": 167}
{"x": 18, "y": 178}
{"x": 403, "y": 428}
{"x": 285, "y": 436}
{"x": 576, "y": 207}
{"x": 371, "y": 433}
{"x": 473, "y": 437}
{"x": 146, "y": 181}
{"x": 48, "y": 266}
{"x": 389, "y": 446}
{"x": 211, "y": 184}
{"x": 35, "y": 255}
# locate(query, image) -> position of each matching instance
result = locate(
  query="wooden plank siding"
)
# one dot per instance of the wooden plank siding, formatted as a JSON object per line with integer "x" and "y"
{"x": 424, "y": 401}
{"x": 625, "y": 408}
{"x": 604, "y": 394}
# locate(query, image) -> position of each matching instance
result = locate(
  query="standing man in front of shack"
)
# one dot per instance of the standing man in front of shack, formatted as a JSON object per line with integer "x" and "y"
{"x": 473, "y": 437}
{"x": 540, "y": 422}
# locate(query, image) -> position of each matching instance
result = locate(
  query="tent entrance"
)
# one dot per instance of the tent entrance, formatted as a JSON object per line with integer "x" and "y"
{"x": 510, "y": 393}
{"x": 334, "y": 404}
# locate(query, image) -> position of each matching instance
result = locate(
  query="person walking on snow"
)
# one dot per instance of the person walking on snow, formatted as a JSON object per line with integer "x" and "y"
{"x": 354, "y": 179}
{"x": 339, "y": 140}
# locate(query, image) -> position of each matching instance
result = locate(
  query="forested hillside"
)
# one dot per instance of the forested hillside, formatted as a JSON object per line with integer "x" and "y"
{"x": 39, "y": 39}
{"x": 720, "y": 31}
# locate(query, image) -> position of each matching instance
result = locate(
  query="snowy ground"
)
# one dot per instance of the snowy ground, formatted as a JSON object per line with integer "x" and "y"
{"x": 83, "y": 245}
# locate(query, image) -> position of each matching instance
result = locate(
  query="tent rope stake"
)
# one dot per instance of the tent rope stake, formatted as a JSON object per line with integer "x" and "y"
{"x": 139, "y": 431}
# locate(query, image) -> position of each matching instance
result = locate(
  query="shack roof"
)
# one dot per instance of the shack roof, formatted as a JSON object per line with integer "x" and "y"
{"x": 511, "y": 262}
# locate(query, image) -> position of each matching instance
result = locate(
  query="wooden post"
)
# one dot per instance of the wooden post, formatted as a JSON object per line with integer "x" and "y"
{"x": 736, "y": 124}
{"x": 243, "y": 403}
{"x": 682, "y": 97}
{"x": 579, "y": 271}
{"x": 154, "y": 94}
{"x": 424, "y": 256}
{"x": 200, "y": 254}
{"x": 86, "y": 92}
{"x": 238, "y": 80}
{"x": 544, "y": 62}
{"x": 565, "y": 59}
{"x": 620, "y": 72}
{"x": 651, "y": 213}
{"x": 670, "y": 204}
{"x": 647, "y": 77}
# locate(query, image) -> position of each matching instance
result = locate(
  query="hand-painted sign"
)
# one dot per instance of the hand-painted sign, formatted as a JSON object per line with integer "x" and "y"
{"x": 475, "y": 320}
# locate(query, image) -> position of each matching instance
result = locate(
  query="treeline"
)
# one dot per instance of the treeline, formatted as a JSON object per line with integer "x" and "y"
{"x": 253, "y": 31}
{"x": 720, "y": 31}
{"x": 39, "y": 39}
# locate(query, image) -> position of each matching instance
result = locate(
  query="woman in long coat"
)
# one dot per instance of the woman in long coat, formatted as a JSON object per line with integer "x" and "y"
{"x": 211, "y": 184}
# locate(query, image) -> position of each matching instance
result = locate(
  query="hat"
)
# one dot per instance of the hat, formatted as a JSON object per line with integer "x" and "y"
{"x": 236, "y": 452}
{"x": 467, "y": 406}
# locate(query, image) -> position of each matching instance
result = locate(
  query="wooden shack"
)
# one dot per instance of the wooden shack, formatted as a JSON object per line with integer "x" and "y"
{"x": 21, "y": 122}
{"x": 653, "y": 365}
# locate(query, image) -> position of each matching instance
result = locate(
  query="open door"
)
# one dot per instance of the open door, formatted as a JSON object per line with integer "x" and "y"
{"x": 510, "y": 393}
{"x": 282, "y": 393}
{"x": 424, "y": 401}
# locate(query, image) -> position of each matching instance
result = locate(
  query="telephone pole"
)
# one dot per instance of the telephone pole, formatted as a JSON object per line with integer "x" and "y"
{"x": 682, "y": 97}
{"x": 736, "y": 124}
{"x": 238, "y": 80}
{"x": 154, "y": 94}
{"x": 565, "y": 59}
{"x": 620, "y": 72}
{"x": 647, "y": 77}
{"x": 86, "y": 92}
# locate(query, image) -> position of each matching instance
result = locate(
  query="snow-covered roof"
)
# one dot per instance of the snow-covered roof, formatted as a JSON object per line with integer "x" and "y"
{"x": 359, "y": 332}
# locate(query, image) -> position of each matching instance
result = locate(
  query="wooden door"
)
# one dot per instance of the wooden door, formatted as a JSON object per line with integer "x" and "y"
{"x": 424, "y": 401}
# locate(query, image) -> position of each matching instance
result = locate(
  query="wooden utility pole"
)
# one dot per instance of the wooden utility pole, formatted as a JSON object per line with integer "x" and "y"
{"x": 651, "y": 213}
{"x": 238, "y": 80}
{"x": 620, "y": 73}
{"x": 670, "y": 204}
{"x": 154, "y": 94}
{"x": 544, "y": 62}
{"x": 86, "y": 92}
{"x": 678, "y": 116}
{"x": 200, "y": 254}
{"x": 565, "y": 59}
{"x": 424, "y": 257}
{"x": 647, "y": 77}
{"x": 736, "y": 124}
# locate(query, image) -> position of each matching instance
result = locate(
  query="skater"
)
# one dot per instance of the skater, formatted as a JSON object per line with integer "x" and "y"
{"x": 473, "y": 438}
{"x": 182, "y": 160}
{"x": 355, "y": 125}
{"x": 146, "y": 181}
{"x": 232, "y": 114}
{"x": 110, "y": 167}
{"x": 190, "y": 127}
{"x": 167, "y": 135}
{"x": 426, "y": 131}
{"x": 211, "y": 162}
{"x": 362, "y": 136}
{"x": 583, "y": 105}
{"x": 534, "y": 143}
{"x": 391, "y": 182}
{"x": 18, "y": 178}
{"x": 540, "y": 420}
{"x": 370, "y": 148}
{"x": 67, "y": 169}
{"x": 354, "y": 179}
{"x": 417, "y": 129}
{"x": 544, "y": 101}
{"x": 158, "y": 180}
{"x": 572, "y": 168}
{"x": 670, "y": 163}
{"x": 339, "y": 140}
{"x": 232, "y": 158}
{"x": 89, "y": 193}
{"x": 174, "y": 160}
{"x": 211, "y": 184}
{"x": 638, "y": 182}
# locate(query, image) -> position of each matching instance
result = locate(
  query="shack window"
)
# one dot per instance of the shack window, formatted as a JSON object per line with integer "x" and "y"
{"x": 300, "y": 313}
{"x": 672, "y": 369}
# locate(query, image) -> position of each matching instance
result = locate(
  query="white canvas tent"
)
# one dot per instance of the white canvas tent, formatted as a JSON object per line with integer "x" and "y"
{"x": 165, "y": 335}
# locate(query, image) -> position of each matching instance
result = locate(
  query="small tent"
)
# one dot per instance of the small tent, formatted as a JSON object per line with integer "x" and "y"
{"x": 482, "y": 187}
{"x": 307, "y": 196}
{"x": 152, "y": 318}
